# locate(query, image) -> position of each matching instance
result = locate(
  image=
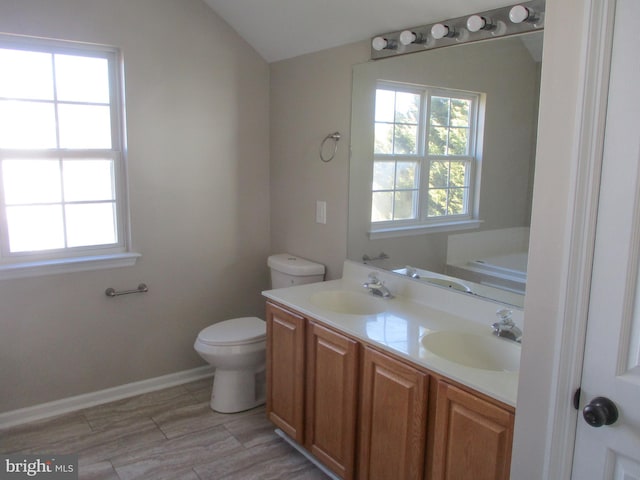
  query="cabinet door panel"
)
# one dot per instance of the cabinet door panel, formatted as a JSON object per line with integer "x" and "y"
{"x": 285, "y": 371}
{"x": 393, "y": 419}
{"x": 474, "y": 437}
{"x": 332, "y": 368}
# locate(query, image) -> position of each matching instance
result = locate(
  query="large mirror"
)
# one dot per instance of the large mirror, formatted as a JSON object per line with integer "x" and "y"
{"x": 489, "y": 259}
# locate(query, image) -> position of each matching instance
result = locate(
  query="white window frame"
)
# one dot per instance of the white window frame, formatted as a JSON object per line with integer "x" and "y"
{"x": 68, "y": 259}
{"x": 422, "y": 223}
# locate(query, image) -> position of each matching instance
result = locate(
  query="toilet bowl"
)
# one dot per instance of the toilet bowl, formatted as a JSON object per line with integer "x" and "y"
{"x": 236, "y": 348}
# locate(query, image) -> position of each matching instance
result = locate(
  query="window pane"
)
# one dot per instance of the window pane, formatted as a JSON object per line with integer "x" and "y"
{"x": 437, "y": 141}
{"x": 90, "y": 224}
{"x": 407, "y": 107}
{"x": 86, "y": 180}
{"x": 437, "y": 203}
{"x": 84, "y": 126}
{"x": 383, "y": 138}
{"x": 458, "y": 141}
{"x": 439, "y": 111}
{"x": 405, "y": 139}
{"x": 31, "y": 181}
{"x": 385, "y": 105}
{"x": 27, "y": 125}
{"x": 35, "y": 228}
{"x": 82, "y": 79}
{"x": 406, "y": 175}
{"x": 383, "y": 175}
{"x": 404, "y": 206}
{"x": 381, "y": 206}
{"x": 460, "y": 112}
{"x": 456, "y": 201}
{"x": 458, "y": 174}
{"x": 439, "y": 174}
{"x": 25, "y": 75}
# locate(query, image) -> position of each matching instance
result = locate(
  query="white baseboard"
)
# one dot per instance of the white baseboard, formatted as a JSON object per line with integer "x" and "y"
{"x": 70, "y": 404}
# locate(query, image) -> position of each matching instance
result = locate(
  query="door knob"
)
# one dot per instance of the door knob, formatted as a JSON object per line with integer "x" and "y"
{"x": 600, "y": 411}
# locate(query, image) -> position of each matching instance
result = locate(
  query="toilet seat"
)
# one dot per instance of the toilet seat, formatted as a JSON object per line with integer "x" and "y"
{"x": 237, "y": 331}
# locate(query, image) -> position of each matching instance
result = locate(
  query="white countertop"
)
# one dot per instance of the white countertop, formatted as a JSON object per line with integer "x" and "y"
{"x": 416, "y": 311}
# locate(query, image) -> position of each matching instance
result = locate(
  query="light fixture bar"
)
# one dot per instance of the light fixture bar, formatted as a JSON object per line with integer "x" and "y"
{"x": 520, "y": 18}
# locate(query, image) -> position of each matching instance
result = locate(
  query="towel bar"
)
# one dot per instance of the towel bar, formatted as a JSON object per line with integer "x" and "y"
{"x": 111, "y": 292}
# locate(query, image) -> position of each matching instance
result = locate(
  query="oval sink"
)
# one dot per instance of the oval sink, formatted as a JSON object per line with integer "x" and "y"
{"x": 476, "y": 351}
{"x": 343, "y": 301}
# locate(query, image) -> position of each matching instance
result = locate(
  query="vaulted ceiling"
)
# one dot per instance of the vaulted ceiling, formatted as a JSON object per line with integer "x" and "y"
{"x": 280, "y": 29}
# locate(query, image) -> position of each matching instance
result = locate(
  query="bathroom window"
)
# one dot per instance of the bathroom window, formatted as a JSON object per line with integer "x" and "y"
{"x": 62, "y": 191}
{"x": 425, "y": 160}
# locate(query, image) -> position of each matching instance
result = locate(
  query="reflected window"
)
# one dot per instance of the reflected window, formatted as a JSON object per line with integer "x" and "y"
{"x": 389, "y": 330}
{"x": 61, "y": 150}
{"x": 425, "y": 156}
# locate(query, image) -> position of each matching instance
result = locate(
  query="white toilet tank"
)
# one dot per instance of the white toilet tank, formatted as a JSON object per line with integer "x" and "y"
{"x": 288, "y": 270}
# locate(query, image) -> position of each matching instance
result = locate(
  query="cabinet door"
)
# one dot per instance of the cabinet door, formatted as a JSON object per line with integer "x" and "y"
{"x": 473, "y": 436}
{"x": 332, "y": 368}
{"x": 285, "y": 371}
{"x": 393, "y": 419}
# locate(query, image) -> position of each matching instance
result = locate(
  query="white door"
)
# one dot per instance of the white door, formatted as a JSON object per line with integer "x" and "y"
{"x": 612, "y": 355}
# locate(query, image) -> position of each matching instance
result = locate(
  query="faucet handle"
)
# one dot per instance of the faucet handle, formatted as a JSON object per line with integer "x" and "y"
{"x": 373, "y": 277}
{"x": 505, "y": 314}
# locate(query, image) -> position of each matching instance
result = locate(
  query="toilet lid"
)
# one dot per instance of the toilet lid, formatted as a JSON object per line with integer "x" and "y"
{"x": 237, "y": 331}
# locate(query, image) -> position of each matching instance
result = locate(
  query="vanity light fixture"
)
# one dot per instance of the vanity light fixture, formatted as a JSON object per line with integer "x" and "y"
{"x": 525, "y": 17}
{"x": 520, "y": 13}
{"x": 381, "y": 43}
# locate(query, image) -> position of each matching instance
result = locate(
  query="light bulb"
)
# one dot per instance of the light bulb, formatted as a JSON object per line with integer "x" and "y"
{"x": 475, "y": 23}
{"x": 407, "y": 37}
{"x": 519, "y": 14}
{"x": 379, "y": 43}
{"x": 439, "y": 31}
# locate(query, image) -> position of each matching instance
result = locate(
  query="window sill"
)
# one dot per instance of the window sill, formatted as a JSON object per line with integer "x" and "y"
{"x": 407, "y": 231}
{"x": 67, "y": 265}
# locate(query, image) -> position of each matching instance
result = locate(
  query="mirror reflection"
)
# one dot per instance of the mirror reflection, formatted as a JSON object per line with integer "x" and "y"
{"x": 442, "y": 162}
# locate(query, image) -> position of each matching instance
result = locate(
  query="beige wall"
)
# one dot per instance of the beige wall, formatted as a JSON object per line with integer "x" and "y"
{"x": 197, "y": 115}
{"x": 310, "y": 98}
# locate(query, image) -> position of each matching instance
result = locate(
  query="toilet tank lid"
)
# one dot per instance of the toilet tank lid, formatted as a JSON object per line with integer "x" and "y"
{"x": 237, "y": 331}
{"x": 292, "y": 265}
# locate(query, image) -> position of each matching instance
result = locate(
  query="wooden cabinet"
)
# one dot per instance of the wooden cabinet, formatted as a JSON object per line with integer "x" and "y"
{"x": 368, "y": 415}
{"x": 285, "y": 371}
{"x": 472, "y": 437}
{"x": 332, "y": 394}
{"x": 393, "y": 419}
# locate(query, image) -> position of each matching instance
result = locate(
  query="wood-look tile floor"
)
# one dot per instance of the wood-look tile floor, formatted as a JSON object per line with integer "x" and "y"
{"x": 169, "y": 434}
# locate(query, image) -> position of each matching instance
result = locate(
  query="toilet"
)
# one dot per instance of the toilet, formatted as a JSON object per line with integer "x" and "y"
{"x": 237, "y": 347}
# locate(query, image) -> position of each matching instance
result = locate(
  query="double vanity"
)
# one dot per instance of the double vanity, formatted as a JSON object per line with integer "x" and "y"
{"x": 414, "y": 385}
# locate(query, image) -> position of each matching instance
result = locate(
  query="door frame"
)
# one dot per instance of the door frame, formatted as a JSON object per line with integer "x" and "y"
{"x": 557, "y": 323}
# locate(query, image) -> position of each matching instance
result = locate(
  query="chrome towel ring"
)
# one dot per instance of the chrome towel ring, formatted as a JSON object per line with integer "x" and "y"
{"x": 332, "y": 136}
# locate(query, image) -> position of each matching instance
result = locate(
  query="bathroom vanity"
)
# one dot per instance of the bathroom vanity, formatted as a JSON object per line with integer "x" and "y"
{"x": 354, "y": 379}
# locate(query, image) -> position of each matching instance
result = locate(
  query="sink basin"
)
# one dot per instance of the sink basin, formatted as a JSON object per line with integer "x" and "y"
{"x": 484, "y": 352}
{"x": 352, "y": 303}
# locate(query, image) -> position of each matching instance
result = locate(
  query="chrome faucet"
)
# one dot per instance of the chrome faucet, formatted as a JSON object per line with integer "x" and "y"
{"x": 376, "y": 287}
{"x": 506, "y": 328}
